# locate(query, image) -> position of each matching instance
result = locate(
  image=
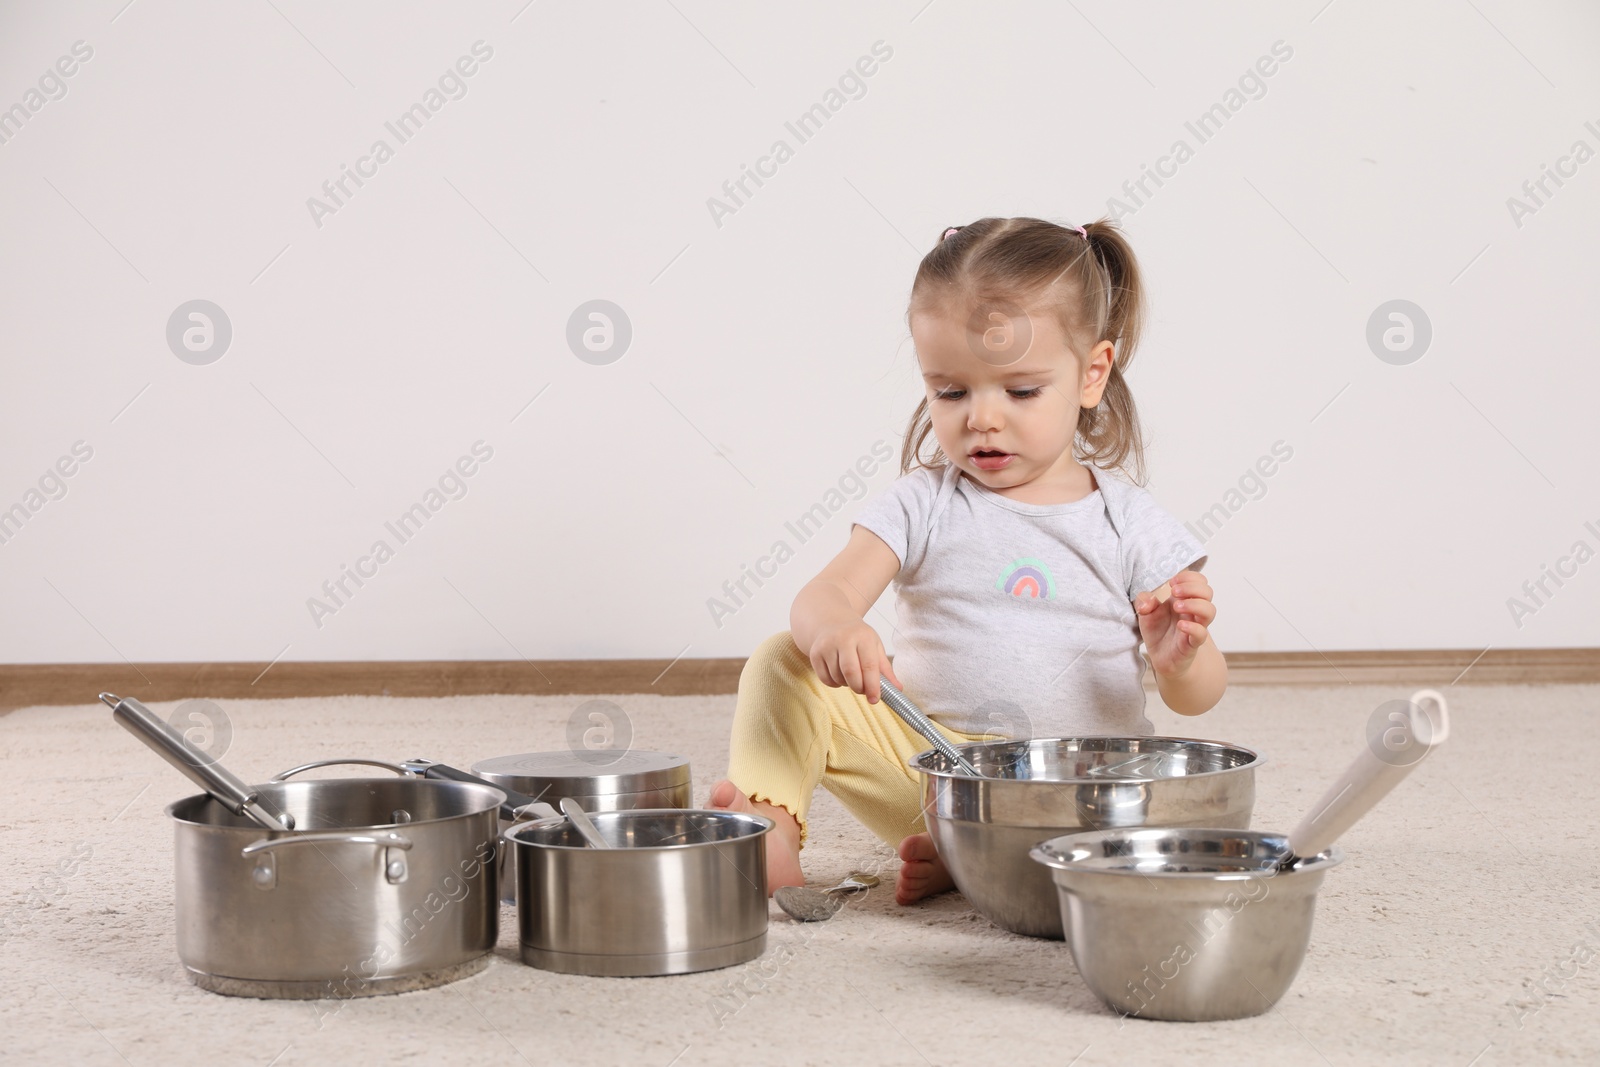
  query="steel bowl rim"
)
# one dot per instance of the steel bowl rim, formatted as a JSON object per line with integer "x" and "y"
{"x": 1255, "y": 762}
{"x": 1323, "y": 861}
{"x": 510, "y": 833}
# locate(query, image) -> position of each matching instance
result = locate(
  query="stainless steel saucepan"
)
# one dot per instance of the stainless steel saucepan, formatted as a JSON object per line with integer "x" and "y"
{"x": 383, "y": 885}
{"x": 676, "y": 890}
{"x": 632, "y": 892}
{"x": 600, "y": 780}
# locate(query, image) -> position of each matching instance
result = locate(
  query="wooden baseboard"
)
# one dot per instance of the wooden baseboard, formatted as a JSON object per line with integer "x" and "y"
{"x": 25, "y": 685}
{"x": 1432, "y": 667}
{"x": 80, "y": 683}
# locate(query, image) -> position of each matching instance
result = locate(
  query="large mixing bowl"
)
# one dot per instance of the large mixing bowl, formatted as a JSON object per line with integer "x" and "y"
{"x": 1028, "y": 791}
{"x": 1186, "y": 924}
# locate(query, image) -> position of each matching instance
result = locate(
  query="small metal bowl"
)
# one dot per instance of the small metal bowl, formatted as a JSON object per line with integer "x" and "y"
{"x": 1028, "y": 791}
{"x": 1188, "y": 924}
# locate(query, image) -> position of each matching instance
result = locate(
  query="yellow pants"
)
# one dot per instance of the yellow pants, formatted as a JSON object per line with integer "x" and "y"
{"x": 791, "y": 732}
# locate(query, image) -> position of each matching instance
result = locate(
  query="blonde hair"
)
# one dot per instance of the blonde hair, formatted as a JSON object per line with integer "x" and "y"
{"x": 1091, "y": 283}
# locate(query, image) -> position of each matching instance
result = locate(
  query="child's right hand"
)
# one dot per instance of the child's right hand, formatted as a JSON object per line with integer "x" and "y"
{"x": 851, "y": 654}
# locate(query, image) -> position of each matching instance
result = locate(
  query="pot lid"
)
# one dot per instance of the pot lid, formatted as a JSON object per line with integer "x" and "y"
{"x": 598, "y": 772}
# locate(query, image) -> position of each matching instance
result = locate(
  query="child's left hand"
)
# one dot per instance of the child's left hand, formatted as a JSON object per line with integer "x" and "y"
{"x": 1174, "y": 629}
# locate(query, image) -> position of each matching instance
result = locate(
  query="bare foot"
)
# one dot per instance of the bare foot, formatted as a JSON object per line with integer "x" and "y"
{"x": 783, "y": 843}
{"x": 923, "y": 873}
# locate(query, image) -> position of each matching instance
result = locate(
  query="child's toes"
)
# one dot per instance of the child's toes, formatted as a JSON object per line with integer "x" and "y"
{"x": 726, "y": 796}
{"x": 918, "y": 847}
{"x": 922, "y": 874}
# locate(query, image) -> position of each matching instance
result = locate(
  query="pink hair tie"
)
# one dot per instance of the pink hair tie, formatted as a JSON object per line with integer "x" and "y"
{"x": 948, "y": 232}
{"x": 1082, "y": 232}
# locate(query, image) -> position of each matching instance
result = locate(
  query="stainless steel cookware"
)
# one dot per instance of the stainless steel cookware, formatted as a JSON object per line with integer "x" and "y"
{"x": 385, "y": 885}
{"x": 1024, "y": 792}
{"x": 1185, "y": 923}
{"x": 600, "y": 780}
{"x": 677, "y": 891}
{"x": 1200, "y": 924}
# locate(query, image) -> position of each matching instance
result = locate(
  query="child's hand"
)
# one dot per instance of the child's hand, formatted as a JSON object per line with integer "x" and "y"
{"x": 851, "y": 654}
{"x": 1175, "y": 628}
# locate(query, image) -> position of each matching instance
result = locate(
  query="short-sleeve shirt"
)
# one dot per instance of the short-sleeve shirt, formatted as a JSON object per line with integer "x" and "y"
{"x": 1017, "y": 619}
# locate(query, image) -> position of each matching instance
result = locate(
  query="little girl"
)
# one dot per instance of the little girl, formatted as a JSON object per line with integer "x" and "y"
{"x": 1026, "y": 579}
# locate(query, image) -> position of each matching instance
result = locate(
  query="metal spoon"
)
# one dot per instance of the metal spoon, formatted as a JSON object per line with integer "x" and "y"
{"x": 580, "y": 819}
{"x": 224, "y": 786}
{"x": 814, "y": 905}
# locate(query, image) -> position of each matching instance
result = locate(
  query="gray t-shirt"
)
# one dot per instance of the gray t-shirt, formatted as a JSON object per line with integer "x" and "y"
{"x": 1017, "y": 619}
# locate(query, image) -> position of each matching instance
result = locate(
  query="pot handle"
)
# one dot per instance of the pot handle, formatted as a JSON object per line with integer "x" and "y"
{"x": 265, "y": 873}
{"x": 329, "y": 837}
{"x": 517, "y": 805}
{"x": 292, "y": 771}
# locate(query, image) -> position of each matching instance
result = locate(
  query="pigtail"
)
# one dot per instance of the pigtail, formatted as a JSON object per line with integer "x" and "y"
{"x": 1110, "y": 432}
{"x": 918, "y": 431}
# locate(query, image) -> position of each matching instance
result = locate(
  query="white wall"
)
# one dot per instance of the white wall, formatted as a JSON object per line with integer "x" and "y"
{"x": 769, "y": 353}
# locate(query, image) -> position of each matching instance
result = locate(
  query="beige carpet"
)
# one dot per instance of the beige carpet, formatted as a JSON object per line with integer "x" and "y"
{"x": 1473, "y": 889}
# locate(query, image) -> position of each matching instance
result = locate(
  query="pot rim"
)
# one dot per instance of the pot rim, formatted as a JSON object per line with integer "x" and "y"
{"x": 1255, "y": 762}
{"x": 568, "y": 774}
{"x": 509, "y": 834}
{"x": 490, "y": 804}
{"x": 546, "y": 791}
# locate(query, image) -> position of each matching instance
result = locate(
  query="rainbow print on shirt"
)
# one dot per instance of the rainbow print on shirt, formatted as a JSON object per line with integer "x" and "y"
{"x": 1029, "y": 578}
